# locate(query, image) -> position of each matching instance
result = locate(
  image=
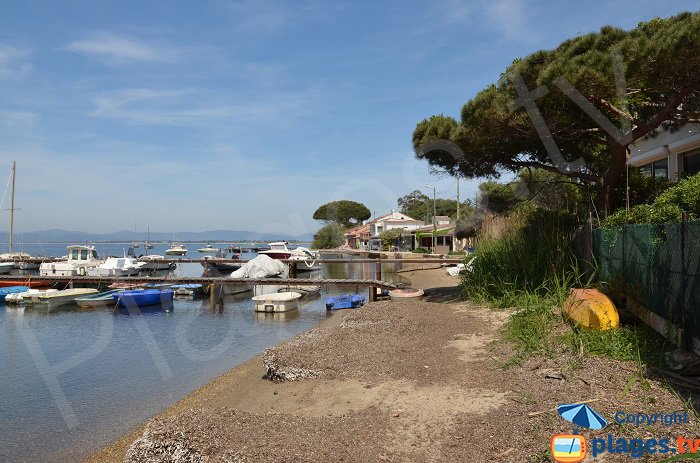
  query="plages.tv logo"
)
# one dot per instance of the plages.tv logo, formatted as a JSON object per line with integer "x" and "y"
{"x": 571, "y": 448}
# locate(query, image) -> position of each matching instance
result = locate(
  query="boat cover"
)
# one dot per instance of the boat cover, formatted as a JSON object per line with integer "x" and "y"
{"x": 261, "y": 267}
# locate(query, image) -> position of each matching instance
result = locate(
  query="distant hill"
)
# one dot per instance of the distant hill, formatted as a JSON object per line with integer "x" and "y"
{"x": 68, "y": 236}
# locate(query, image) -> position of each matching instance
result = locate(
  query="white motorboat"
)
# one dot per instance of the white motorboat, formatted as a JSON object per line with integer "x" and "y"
{"x": 18, "y": 298}
{"x": 58, "y": 299}
{"x": 209, "y": 249}
{"x": 147, "y": 245}
{"x": 19, "y": 259}
{"x": 305, "y": 259}
{"x": 6, "y": 267}
{"x": 155, "y": 262}
{"x": 80, "y": 260}
{"x": 176, "y": 250}
{"x": 117, "y": 267}
{"x": 277, "y": 302}
{"x": 135, "y": 245}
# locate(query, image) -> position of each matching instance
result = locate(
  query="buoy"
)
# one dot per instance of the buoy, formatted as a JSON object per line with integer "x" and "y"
{"x": 590, "y": 308}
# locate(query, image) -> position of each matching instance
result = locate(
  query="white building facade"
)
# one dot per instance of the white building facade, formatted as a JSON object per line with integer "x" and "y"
{"x": 669, "y": 155}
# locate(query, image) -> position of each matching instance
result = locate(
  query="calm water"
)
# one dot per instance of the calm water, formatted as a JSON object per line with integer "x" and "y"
{"x": 73, "y": 381}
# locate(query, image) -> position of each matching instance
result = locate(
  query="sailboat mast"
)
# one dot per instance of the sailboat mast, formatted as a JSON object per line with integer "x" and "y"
{"x": 12, "y": 203}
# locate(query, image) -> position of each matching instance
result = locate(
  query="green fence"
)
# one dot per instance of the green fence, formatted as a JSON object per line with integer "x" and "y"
{"x": 659, "y": 266}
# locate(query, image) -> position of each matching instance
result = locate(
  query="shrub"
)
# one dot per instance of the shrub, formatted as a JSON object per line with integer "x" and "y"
{"x": 329, "y": 236}
{"x": 421, "y": 251}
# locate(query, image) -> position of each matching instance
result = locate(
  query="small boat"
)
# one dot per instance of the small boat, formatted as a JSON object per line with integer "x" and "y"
{"x": 176, "y": 250}
{"x": 209, "y": 249}
{"x": 129, "y": 300}
{"x": 80, "y": 260}
{"x": 234, "y": 249}
{"x": 117, "y": 267}
{"x": 6, "y": 267}
{"x": 304, "y": 258}
{"x": 592, "y": 309}
{"x": 57, "y": 299}
{"x": 277, "y": 302}
{"x": 187, "y": 290}
{"x": 12, "y": 290}
{"x": 18, "y": 298}
{"x": 155, "y": 262}
{"x": 346, "y": 301}
{"x": 219, "y": 262}
{"x": 103, "y": 299}
{"x": 147, "y": 245}
{"x": 304, "y": 290}
{"x": 123, "y": 286}
{"x": 135, "y": 245}
{"x": 20, "y": 260}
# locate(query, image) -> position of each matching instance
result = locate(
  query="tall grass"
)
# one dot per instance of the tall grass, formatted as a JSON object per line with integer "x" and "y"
{"x": 532, "y": 266}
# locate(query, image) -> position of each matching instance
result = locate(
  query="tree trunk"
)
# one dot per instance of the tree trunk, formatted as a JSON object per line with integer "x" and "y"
{"x": 618, "y": 160}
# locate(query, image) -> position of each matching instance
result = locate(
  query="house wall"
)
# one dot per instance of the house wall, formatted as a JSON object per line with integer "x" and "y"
{"x": 679, "y": 151}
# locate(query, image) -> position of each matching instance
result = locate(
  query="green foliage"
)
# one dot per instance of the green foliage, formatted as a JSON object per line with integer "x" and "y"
{"x": 421, "y": 251}
{"x": 329, "y": 236}
{"x": 420, "y": 206}
{"x": 533, "y": 256}
{"x": 663, "y": 91}
{"x": 624, "y": 343}
{"x": 497, "y": 197}
{"x": 344, "y": 212}
{"x": 667, "y": 207}
{"x": 389, "y": 237}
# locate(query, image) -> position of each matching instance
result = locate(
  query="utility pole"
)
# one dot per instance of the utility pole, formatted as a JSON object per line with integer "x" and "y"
{"x": 434, "y": 214}
{"x": 458, "y": 197}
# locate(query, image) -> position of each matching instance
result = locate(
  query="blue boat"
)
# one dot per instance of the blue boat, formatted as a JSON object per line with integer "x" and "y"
{"x": 12, "y": 290}
{"x": 346, "y": 301}
{"x": 150, "y": 298}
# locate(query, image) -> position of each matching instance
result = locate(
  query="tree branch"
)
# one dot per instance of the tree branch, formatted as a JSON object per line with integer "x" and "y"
{"x": 619, "y": 111}
{"x": 550, "y": 168}
{"x": 661, "y": 116}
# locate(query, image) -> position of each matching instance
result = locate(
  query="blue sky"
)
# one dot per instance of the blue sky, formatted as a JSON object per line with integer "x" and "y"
{"x": 187, "y": 116}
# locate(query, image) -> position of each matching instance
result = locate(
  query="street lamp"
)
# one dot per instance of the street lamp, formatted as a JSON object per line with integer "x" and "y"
{"x": 434, "y": 213}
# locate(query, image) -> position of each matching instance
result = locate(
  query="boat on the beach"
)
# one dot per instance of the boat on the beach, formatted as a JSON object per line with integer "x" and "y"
{"x": 345, "y": 301}
{"x": 54, "y": 300}
{"x": 18, "y": 298}
{"x": 80, "y": 260}
{"x": 117, "y": 267}
{"x": 103, "y": 299}
{"x": 138, "y": 299}
{"x": 277, "y": 302}
{"x": 176, "y": 250}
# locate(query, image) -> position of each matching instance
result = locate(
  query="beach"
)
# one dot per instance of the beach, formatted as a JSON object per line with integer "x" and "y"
{"x": 414, "y": 381}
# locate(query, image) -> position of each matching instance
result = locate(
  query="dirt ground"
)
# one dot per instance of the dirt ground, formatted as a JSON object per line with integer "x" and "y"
{"x": 420, "y": 381}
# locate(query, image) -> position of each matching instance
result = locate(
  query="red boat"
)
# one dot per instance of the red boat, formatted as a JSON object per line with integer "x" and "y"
{"x": 27, "y": 282}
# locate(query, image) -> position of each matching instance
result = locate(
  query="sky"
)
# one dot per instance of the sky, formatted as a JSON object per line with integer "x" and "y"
{"x": 192, "y": 116}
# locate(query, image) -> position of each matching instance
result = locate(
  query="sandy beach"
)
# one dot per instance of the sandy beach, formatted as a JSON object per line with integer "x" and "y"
{"x": 421, "y": 381}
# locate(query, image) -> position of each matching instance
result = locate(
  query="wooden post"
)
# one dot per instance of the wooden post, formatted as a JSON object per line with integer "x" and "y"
{"x": 372, "y": 294}
{"x": 292, "y": 270}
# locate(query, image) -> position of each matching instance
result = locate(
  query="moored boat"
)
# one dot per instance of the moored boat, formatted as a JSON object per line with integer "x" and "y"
{"x": 12, "y": 290}
{"x": 18, "y": 298}
{"x": 58, "y": 299}
{"x": 176, "y": 250}
{"x": 277, "y": 302}
{"x": 117, "y": 267}
{"x": 6, "y": 267}
{"x": 304, "y": 258}
{"x": 80, "y": 260}
{"x": 103, "y": 299}
{"x": 304, "y": 290}
{"x": 155, "y": 262}
{"x": 130, "y": 300}
{"x": 209, "y": 249}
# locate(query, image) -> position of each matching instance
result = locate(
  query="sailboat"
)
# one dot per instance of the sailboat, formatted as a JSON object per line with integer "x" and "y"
{"x": 14, "y": 258}
{"x": 147, "y": 244}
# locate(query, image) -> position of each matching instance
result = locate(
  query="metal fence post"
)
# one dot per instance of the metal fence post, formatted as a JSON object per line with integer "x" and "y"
{"x": 687, "y": 317}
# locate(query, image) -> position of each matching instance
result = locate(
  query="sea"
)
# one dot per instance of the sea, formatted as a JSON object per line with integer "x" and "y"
{"x": 73, "y": 381}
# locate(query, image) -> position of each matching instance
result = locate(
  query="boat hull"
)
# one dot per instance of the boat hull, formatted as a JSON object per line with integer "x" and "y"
{"x": 128, "y": 300}
{"x": 277, "y": 302}
{"x": 592, "y": 309}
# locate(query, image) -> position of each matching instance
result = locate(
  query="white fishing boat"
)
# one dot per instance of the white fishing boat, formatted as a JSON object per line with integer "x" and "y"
{"x": 117, "y": 267}
{"x": 277, "y": 302}
{"x": 80, "y": 261}
{"x": 18, "y": 298}
{"x": 57, "y": 299}
{"x": 305, "y": 259}
{"x": 209, "y": 249}
{"x": 176, "y": 250}
{"x": 304, "y": 290}
{"x": 6, "y": 267}
{"x": 155, "y": 262}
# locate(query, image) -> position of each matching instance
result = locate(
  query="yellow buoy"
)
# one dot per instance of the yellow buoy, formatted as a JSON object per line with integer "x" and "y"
{"x": 591, "y": 309}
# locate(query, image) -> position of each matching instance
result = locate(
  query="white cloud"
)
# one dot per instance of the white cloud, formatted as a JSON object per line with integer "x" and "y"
{"x": 12, "y": 63}
{"x": 512, "y": 19}
{"x": 114, "y": 49}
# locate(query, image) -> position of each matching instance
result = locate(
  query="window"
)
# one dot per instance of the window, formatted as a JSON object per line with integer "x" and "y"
{"x": 75, "y": 254}
{"x": 83, "y": 254}
{"x": 691, "y": 163}
{"x": 657, "y": 169}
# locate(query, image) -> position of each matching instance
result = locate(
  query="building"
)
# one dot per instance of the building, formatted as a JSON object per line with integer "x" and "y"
{"x": 445, "y": 240}
{"x": 358, "y": 237}
{"x": 669, "y": 155}
{"x": 392, "y": 221}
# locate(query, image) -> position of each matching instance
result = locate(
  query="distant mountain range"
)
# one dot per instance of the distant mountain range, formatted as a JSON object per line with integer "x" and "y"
{"x": 67, "y": 236}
